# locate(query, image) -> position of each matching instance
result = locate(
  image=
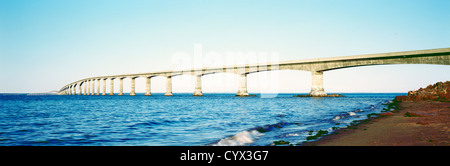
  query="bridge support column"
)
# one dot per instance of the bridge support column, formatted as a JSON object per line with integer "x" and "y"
{"x": 88, "y": 84}
{"x": 85, "y": 87}
{"x": 98, "y": 87}
{"x": 74, "y": 90}
{"x": 148, "y": 87}
{"x": 79, "y": 89}
{"x": 111, "y": 90}
{"x": 317, "y": 84}
{"x": 93, "y": 87}
{"x": 133, "y": 83}
{"x": 120, "y": 87}
{"x": 198, "y": 86}
{"x": 168, "y": 86}
{"x": 104, "y": 87}
{"x": 242, "y": 91}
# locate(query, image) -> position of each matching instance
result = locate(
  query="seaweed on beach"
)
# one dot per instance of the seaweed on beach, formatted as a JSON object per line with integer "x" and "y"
{"x": 320, "y": 133}
{"x": 391, "y": 106}
{"x": 281, "y": 142}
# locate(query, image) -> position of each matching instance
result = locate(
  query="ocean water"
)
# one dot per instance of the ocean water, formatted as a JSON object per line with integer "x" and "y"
{"x": 180, "y": 120}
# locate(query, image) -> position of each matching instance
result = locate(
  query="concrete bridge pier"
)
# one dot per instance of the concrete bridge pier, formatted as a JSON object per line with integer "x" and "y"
{"x": 104, "y": 87}
{"x": 93, "y": 87}
{"x": 133, "y": 83}
{"x": 111, "y": 90}
{"x": 85, "y": 87}
{"x": 148, "y": 86}
{"x": 242, "y": 91}
{"x": 120, "y": 86}
{"x": 89, "y": 87}
{"x": 198, "y": 86}
{"x": 317, "y": 84}
{"x": 98, "y": 87}
{"x": 79, "y": 89}
{"x": 168, "y": 86}
{"x": 88, "y": 84}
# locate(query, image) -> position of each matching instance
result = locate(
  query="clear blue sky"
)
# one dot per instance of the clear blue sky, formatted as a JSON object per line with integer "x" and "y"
{"x": 45, "y": 44}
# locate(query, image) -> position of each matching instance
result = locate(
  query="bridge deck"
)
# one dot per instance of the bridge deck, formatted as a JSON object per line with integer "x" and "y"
{"x": 316, "y": 66}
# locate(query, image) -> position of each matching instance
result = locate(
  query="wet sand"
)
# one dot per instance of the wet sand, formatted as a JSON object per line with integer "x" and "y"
{"x": 423, "y": 123}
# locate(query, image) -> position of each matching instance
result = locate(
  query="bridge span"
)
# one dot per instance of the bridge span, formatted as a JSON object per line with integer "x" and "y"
{"x": 439, "y": 56}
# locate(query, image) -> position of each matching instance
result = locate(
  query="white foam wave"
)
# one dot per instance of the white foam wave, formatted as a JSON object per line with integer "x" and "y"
{"x": 337, "y": 117}
{"x": 242, "y": 138}
{"x": 292, "y": 135}
{"x": 342, "y": 116}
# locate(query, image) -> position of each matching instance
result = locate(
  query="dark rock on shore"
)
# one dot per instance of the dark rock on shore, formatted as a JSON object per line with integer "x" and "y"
{"x": 435, "y": 92}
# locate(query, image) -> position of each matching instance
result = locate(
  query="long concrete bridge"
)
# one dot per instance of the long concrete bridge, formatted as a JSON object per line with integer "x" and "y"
{"x": 315, "y": 66}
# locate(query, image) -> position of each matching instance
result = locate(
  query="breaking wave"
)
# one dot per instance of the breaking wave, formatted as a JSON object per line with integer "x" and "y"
{"x": 347, "y": 115}
{"x": 249, "y": 136}
{"x": 242, "y": 138}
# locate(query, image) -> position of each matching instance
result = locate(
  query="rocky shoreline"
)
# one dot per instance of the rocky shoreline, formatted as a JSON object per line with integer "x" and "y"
{"x": 420, "y": 118}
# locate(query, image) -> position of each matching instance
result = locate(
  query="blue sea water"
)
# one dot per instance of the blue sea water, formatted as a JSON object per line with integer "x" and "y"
{"x": 180, "y": 120}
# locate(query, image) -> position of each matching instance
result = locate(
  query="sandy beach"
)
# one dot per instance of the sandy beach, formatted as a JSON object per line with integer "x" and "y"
{"x": 425, "y": 124}
{"x": 418, "y": 119}
{"x": 421, "y": 119}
